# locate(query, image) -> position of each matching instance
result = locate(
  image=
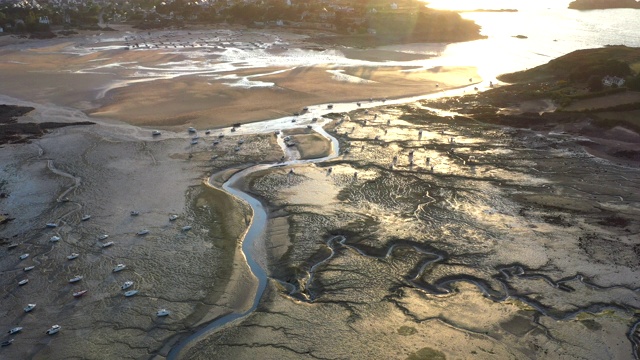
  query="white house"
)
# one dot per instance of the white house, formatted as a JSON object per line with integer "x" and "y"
{"x": 612, "y": 80}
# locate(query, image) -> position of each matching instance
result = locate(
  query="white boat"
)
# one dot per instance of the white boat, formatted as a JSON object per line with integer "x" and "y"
{"x": 52, "y": 225}
{"x": 103, "y": 237}
{"x": 85, "y": 217}
{"x": 156, "y": 133}
{"x": 75, "y": 279}
{"x": 143, "y": 232}
{"x": 173, "y": 217}
{"x": 55, "y": 238}
{"x": 23, "y": 282}
{"x": 130, "y": 293}
{"x": 29, "y": 307}
{"x": 53, "y": 330}
{"x": 107, "y": 244}
{"x": 186, "y": 228}
{"x": 15, "y": 330}
{"x": 72, "y": 256}
{"x": 29, "y": 268}
{"x": 79, "y": 293}
{"x": 24, "y": 256}
{"x": 119, "y": 267}
{"x": 134, "y": 213}
{"x": 163, "y": 312}
{"x": 126, "y": 285}
{"x": 192, "y": 129}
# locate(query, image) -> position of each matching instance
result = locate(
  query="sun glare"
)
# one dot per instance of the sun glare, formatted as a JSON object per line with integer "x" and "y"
{"x": 494, "y": 4}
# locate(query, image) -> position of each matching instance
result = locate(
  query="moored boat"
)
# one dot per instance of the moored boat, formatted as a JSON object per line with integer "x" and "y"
{"x": 107, "y": 244}
{"x": 85, "y": 217}
{"x": 15, "y": 330}
{"x": 186, "y": 228}
{"x": 191, "y": 129}
{"x": 52, "y": 225}
{"x": 130, "y": 293}
{"x": 75, "y": 279}
{"x": 23, "y": 282}
{"x": 126, "y": 285}
{"x": 173, "y": 217}
{"x": 29, "y": 307}
{"x": 24, "y": 256}
{"x": 119, "y": 267}
{"x": 134, "y": 213}
{"x": 55, "y": 238}
{"x": 79, "y": 293}
{"x": 54, "y": 329}
{"x": 103, "y": 237}
{"x": 12, "y": 246}
{"x": 72, "y": 256}
{"x": 143, "y": 232}
{"x": 156, "y": 133}
{"x": 162, "y": 312}
{"x": 6, "y": 343}
{"x": 29, "y": 268}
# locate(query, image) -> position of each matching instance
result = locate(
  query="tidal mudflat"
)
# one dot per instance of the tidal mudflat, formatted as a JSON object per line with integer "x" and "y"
{"x": 440, "y": 237}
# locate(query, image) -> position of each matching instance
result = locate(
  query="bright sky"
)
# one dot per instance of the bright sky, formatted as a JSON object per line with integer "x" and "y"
{"x": 496, "y": 4}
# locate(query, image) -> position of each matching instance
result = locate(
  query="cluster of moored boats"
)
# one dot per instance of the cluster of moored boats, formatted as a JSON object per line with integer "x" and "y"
{"x": 126, "y": 286}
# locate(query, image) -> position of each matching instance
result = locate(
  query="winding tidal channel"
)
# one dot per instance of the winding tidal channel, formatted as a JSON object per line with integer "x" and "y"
{"x": 256, "y": 229}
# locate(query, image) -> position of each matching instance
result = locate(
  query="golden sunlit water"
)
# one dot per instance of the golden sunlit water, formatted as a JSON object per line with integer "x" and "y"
{"x": 495, "y": 4}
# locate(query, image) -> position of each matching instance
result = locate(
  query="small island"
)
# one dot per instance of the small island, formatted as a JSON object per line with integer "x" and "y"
{"x": 604, "y": 4}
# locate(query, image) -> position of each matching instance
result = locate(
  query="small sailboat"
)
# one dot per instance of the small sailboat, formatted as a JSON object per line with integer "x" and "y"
{"x": 55, "y": 238}
{"x": 54, "y": 329}
{"x": 103, "y": 237}
{"x": 85, "y": 217}
{"x": 72, "y": 256}
{"x": 75, "y": 279}
{"x": 79, "y": 293}
{"x": 29, "y": 268}
{"x": 23, "y": 282}
{"x": 24, "y": 256}
{"x": 126, "y": 285}
{"x": 162, "y": 312}
{"x": 119, "y": 267}
{"x": 130, "y": 293}
{"x": 143, "y": 232}
{"x": 29, "y": 307}
{"x": 107, "y": 244}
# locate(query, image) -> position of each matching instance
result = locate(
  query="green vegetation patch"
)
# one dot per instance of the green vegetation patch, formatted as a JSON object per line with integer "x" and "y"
{"x": 427, "y": 353}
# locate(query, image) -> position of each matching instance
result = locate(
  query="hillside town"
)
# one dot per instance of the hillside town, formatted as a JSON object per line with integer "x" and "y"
{"x": 340, "y": 16}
